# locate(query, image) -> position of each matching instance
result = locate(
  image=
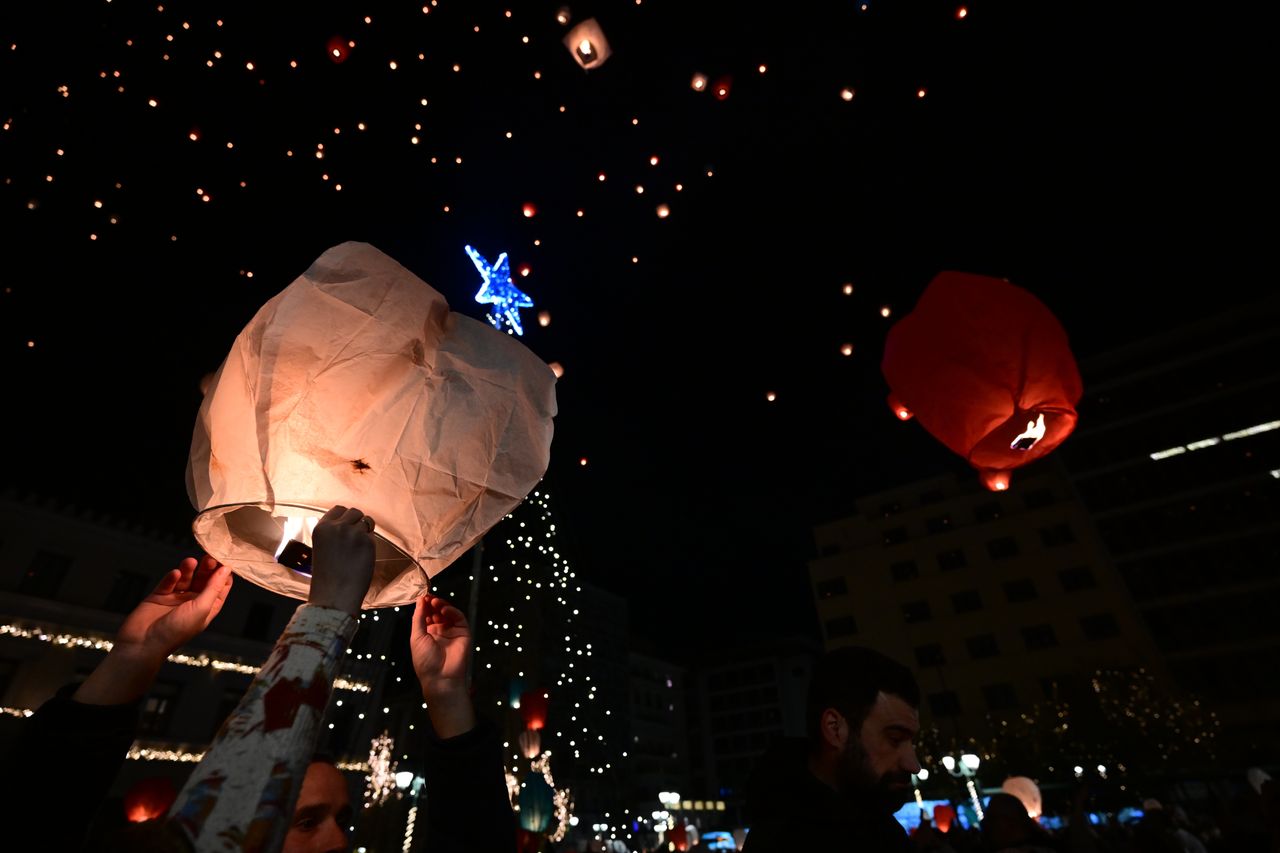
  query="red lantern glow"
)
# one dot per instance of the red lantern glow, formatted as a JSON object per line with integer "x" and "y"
{"x": 530, "y": 211}
{"x": 149, "y": 799}
{"x": 986, "y": 368}
{"x": 533, "y": 708}
{"x": 337, "y": 49}
{"x": 722, "y": 88}
{"x": 943, "y": 817}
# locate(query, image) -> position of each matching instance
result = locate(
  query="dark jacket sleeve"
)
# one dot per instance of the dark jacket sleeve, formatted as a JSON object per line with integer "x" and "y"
{"x": 68, "y": 753}
{"x": 465, "y": 794}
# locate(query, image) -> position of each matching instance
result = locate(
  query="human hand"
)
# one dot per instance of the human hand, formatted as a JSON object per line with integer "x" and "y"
{"x": 440, "y": 644}
{"x": 182, "y": 605}
{"x": 342, "y": 563}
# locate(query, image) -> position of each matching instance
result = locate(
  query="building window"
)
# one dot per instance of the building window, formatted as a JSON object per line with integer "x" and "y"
{"x": 157, "y": 708}
{"x": 944, "y": 704}
{"x": 1022, "y": 589}
{"x": 949, "y": 561}
{"x": 983, "y": 646}
{"x": 930, "y": 655}
{"x": 843, "y": 626}
{"x": 832, "y": 587}
{"x": 999, "y": 697}
{"x": 916, "y": 611}
{"x": 258, "y": 622}
{"x": 988, "y": 511}
{"x": 1058, "y": 534}
{"x": 126, "y": 591}
{"x": 904, "y": 571}
{"x": 1002, "y": 548}
{"x": 1039, "y": 637}
{"x": 938, "y": 524}
{"x": 45, "y": 574}
{"x": 1037, "y": 498}
{"x": 895, "y": 536}
{"x": 1100, "y": 626}
{"x": 1076, "y": 579}
{"x": 966, "y": 601}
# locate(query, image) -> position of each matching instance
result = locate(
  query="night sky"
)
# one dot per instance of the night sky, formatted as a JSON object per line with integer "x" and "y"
{"x": 1109, "y": 165}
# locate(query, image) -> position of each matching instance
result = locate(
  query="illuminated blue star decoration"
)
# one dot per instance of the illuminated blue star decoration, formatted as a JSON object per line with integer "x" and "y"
{"x": 499, "y": 291}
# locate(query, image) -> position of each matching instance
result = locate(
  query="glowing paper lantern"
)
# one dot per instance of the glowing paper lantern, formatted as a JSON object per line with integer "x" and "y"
{"x": 985, "y": 367}
{"x": 530, "y": 743}
{"x": 588, "y": 45}
{"x": 679, "y": 836}
{"x": 149, "y": 799}
{"x": 533, "y": 709}
{"x": 537, "y": 803}
{"x": 356, "y": 386}
{"x": 1027, "y": 792}
{"x": 943, "y": 816}
{"x": 338, "y": 49}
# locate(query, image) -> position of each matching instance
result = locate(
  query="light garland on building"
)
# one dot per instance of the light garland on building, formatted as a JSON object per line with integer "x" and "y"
{"x": 408, "y": 829}
{"x": 16, "y": 712}
{"x": 80, "y": 641}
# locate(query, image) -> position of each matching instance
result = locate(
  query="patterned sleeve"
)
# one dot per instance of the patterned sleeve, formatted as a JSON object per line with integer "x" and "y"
{"x": 241, "y": 795}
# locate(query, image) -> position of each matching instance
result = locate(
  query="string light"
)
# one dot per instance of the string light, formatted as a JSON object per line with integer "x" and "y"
{"x": 80, "y": 641}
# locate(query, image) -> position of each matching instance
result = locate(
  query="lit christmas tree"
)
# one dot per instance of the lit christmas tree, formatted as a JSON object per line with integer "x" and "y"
{"x": 535, "y": 671}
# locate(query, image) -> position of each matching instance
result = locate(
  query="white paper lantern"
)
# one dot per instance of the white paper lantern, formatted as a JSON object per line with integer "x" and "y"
{"x": 357, "y": 386}
{"x": 530, "y": 743}
{"x": 588, "y": 44}
{"x": 1027, "y": 792}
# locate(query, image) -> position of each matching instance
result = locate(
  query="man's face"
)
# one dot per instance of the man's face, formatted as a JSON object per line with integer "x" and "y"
{"x": 323, "y": 813}
{"x": 877, "y": 762}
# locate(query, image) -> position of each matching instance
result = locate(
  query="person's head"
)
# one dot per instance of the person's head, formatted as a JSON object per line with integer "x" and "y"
{"x": 323, "y": 813}
{"x": 1005, "y": 821}
{"x": 862, "y": 716}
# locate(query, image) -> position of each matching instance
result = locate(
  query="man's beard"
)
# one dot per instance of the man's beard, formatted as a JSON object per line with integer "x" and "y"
{"x": 886, "y": 793}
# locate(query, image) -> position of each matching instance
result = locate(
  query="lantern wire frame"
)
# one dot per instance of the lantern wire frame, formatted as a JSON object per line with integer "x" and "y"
{"x": 247, "y": 536}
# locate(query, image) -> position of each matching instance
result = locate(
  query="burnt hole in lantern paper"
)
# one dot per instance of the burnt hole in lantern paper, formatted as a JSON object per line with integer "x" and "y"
{"x": 360, "y": 466}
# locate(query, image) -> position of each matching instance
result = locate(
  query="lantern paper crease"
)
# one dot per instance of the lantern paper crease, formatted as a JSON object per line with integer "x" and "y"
{"x": 357, "y": 386}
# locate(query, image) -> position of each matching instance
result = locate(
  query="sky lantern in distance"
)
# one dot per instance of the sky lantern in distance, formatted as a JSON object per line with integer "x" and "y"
{"x": 533, "y": 709}
{"x": 587, "y": 43}
{"x": 356, "y": 385}
{"x": 986, "y": 368}
{"x": 337, "y": 49}
{"x": 149, "y": 799}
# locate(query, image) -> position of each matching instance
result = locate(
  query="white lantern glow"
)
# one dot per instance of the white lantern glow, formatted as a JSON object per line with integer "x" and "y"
{"x": 357, "y": 386}
{"x": 1027, "y": 792}
{"x": 588, "y": 44}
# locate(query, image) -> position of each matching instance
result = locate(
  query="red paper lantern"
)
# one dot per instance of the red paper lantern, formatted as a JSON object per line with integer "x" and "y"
{"x": 986, "y": 368}
{"x": 722, "y": 88}
{"x": 533, "y": 709}
{"x": 149, "y": 799}
{"x": 679, "y": 836}
{"x": 943, "y": 816}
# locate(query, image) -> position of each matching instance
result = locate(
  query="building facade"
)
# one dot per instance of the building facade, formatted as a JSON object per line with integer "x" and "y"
{"x": 996, "y": 600}
{"x": 1177, "y": 457}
